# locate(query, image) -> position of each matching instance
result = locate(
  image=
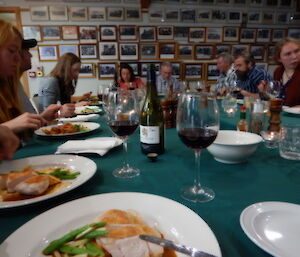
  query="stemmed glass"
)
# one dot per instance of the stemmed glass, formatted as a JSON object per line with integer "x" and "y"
{"x": 274, "y": 88}
{"x": 122, "y": 115}
{"x": 197, "y": 127}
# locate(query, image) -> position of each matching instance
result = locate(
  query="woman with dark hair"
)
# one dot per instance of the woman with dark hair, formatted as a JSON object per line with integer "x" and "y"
{"x": 127, "y": 78}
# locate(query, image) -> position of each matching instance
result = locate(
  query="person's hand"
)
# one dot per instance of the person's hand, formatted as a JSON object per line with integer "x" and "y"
{"x": 82, "y": 103}
{"x": 51, "y": 112}
{"x": 86, "y": 95}
{"x": 67, "y": 110}
{"x": 25, "y": 121}
{"x": 9, "y": 143}
{"x": 223, "y": 91}
{"x": 262, "y": 87}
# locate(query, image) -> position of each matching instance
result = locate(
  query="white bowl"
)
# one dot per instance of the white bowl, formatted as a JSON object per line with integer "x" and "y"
{"x": 233, "y": 146}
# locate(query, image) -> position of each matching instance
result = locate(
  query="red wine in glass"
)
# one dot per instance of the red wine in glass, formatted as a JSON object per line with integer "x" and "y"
{"x": 123, "y": 127}
{"x": 197, "y": 138}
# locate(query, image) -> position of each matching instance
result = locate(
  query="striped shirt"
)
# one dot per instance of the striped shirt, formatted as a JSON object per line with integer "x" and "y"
{"x": 227, "y": 79}
{"x": 162, "y": 85}
{"x": 254, "y": 77}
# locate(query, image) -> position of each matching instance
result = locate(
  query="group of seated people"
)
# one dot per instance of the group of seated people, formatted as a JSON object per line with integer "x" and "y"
{"x": 17, "y": 117}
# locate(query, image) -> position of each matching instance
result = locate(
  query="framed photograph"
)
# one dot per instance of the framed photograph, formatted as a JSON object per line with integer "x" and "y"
{"x": 144, "y": 66}
{"x": 107, "y": 70}
{"x": 48, "y": 52}
{"x": 88, "y": 51}
{"x": 218, "y": 15}
{"x": 258, "y": 51}
{"x": 214, "y": 35}
{"x": 247, "y": 35}
{"x": 147, "y": 34}
{"x": 181, "y": 33}
{"x": 203, "y": 15}
{"x": 294, "y": 33}
{"x": 278, "y": 34}
{"x": 239, "y": 2}
{"x": 148, "y": 51}
{"x": 176, "y": 71}
{"x": 127, "y": 32}
{"x": 156, "y": 14}
{"x": 39, "y": 13}
{"x": 165, "y": 32}
{"x": 108, "y": 33}
{"x": 212, "y": 72}
{"x": 172, "y": 14}
{"x": 128, "y": 51}
{"x": 234, "y": 17}
{"x": 132, "y": 14}
{"x": 267, "y": 17}
{"x": 185, "y": 51}
{"x": 78, "y": 13}
{"x": 286, "y": 3}
{"x": 167, "y": 50}
{"x": 231, "y": 34}
{"x": 108, "y": 51}
{"x": 87, "y": 70}
{"x": 69, "y": 32}
{"x": 32, "y": 32}
{"x": 272, "y": 3}
{"x": 68, "y": 48}
{"x": 262, "y": 65}
{"x": 97, "y": 13}
{"x": 282, "y": 17}
{"x": 235, "y": 49}
{"x": 196, "y": 34}
{"x": 115, "y": 13}
{"x": 263, "y": 35}
{"x": 135, "y": 67}
{"x": 256, "y": 2}
{"x": 88, "y": 34}
{"x": 270, "y": 53}
{"x": 193, "y": 71}
{"x": 188, "y": 15}
{"x": 222, "y": 49}
{"x": 58, "y": 13}
{"x": 254, "y": 17}
{"x": 50, "y": 33}
{"x": 204, "y": 52}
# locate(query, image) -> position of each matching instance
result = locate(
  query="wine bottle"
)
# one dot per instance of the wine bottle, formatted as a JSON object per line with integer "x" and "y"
{"x": 151, "y": 120}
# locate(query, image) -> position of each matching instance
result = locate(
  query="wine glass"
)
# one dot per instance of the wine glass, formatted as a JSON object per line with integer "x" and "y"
{"x": 200, "y": 85}
{"x": 122, "y": 114}
{"x": 274, "y": 88}
{"x": 197, "y": 127}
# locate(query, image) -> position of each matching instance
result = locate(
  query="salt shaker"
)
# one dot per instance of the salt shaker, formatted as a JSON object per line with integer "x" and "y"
{"x": 257, "y": 117}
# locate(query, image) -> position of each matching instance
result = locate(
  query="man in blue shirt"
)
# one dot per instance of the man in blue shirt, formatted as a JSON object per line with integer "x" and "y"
{"x": 248, "y": 75}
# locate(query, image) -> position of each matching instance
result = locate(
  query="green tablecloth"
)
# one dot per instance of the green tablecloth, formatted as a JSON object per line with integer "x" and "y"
{"x": 265, "y": 177}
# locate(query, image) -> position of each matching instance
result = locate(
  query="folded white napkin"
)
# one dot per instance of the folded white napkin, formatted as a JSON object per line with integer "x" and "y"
{"x": 98, "y": 145}
{"x": 80, "y": 118}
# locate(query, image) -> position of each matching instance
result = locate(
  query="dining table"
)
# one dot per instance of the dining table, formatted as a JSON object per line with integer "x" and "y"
{"x": 264, "y": 177}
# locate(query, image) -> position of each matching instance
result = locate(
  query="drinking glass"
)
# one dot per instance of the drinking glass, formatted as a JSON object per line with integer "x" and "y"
{"x": 229, "y": 104}
{"x": 122, "y": 115}
{"x": 197, "y": 127}
{"x": 289, "y": 143}
{"x": 274, "y": 88}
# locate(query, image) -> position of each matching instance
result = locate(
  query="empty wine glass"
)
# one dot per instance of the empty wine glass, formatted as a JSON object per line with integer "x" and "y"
{"x": 200, "y": 85}
{"x": 122, "y": 115}
{"x": 274, "y": 88}
{"x": 197, "y": 127}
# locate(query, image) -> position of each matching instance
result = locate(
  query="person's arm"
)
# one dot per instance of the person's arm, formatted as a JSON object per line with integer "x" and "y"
{"x": 9, "y": 143}
{"x": 247, "y": 93}
{"x": 49, "y": 92}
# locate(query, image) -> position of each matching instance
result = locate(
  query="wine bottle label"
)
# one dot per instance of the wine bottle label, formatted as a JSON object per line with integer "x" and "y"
{"x": 149, "y": 134}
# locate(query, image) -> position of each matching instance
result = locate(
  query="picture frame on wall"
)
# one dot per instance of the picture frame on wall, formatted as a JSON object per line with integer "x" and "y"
{"x": 97, "y": 13}
{"x": 234, "y": 17}
{"x": 107, "y": 70}
{"x": 219, "y": 15}
{"x": 69, "y": 32}
{"x": 132, "y": 14}
{"x": 108, "y": 33}
{"x": 165, "y": 32}
{"x": 239, "y": 2}
{"x": 88, "y": 51}
{"x": 212, "y": 72}
{"x": 87, "y": 34}
{"x": 176, "y": 70}
{"x": 204, "y": 52}
{"x": 231, "y": 34}
{"x": 270, "y": 53}
{"x": 167, "y": 50}
{"x": 156, "y": 14}
{"x": 39, "y": 13}
{"x": 262, "y": 65}
{"x": 294, "y": 33}
{"x": 58, "y": 13}
{"x": 68, "y": 48}
{"x": 172, "y": 15}
{"x": 48, "y": 52}
{"x": 285, "y": 3}
{"x": 32, "y": 32}
{"x": 247, "y": 35}
{"x": 108, "y": 50}
{"x": 87, "y": 70}
{"x": 222, "y": 2}
{"x": 147, "y": 33}
{"x": 127, "y": 32}
{"x": 271, "y": 3}
{"x": 196, "y": 34}
{"x": 185, "y": 51}
{"x": 267, "y": 17}
{"x": 263, "y": 35}
{"x": 193, "y": 71}
{"x": 78, "y": 13}
{"x": 256, "y": 2}
{"x": 214, "y": 35}
{"x": 254, "y": 17}
{"x": 135, "y": 67}
{"x": 278, "y": 34}
{"x": 144, "y": 66}
{"x": 219, "y": 49}
{"x": 115, "y": 13}
{"x": 50, "y": 33}
{"x": 188, "y": 15}
{"x": 235, "y": 49}
{"x": 258, "y": 51}
{"x": 181, "y": 33}
{"x": 128, "y": 51}
{"x": 203, "y": 15}
{"x": 282, "y": 17}
{"x": 148, "y": 51}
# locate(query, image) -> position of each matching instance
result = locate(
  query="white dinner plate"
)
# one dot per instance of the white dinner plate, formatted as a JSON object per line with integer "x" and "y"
{"x": 273, "y": 226}
{"x": 174, "y": 220}
{"x": 293, "y": 110}
{"x": 87, "y": 109}
{"x": 90, "y": 125}
{"x": 85, "y": 166}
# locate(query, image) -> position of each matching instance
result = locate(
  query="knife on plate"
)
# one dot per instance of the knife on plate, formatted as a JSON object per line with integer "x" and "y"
{"x": 177, "y": 247}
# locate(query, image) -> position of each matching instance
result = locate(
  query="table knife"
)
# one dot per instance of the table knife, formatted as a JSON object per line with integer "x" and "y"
{"x": 177, "y": 247}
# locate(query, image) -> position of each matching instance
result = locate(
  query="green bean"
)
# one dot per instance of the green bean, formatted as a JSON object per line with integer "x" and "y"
{"x": 76, "y": 250}
{"x": 94, "y": 249}
{"x": 95, "y": 233}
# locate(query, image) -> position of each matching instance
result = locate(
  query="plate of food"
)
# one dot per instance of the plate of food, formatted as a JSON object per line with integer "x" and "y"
{"x": 88, "y": 109}
{"x": 67, "y": 129}
{"x": 116, "y": 220}
{"x": 34, "y": 179}
{"x": 292, "y": 110}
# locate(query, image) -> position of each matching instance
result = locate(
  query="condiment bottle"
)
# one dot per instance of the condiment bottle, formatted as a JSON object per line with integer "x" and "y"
{"x": 257, "y": 117}
{"x": 242, "y": 124}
